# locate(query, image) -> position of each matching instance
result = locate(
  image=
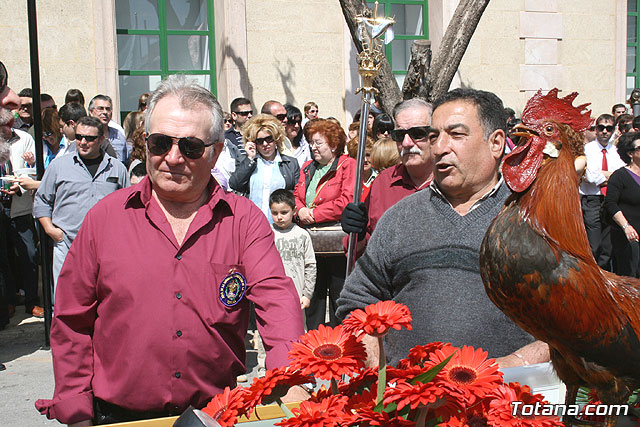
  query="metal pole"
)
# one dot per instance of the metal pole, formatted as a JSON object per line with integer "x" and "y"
{"x": 37, "y": 127}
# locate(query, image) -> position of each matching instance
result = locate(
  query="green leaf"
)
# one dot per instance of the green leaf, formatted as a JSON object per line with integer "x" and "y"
{"x": 426, "y": 377}
{"x": 388, "y": 409}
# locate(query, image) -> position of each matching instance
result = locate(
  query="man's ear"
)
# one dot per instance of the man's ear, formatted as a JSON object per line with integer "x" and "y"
{"x": 72, "y": 123}
{"x": 496, "y": 143}
{"x": 216, "y": 149}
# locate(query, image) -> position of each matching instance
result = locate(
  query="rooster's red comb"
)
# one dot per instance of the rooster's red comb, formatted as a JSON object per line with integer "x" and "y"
{"x": 550, "y": 107}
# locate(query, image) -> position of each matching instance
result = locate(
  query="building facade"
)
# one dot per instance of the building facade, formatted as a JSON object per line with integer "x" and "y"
{"x": 300, "y": 50}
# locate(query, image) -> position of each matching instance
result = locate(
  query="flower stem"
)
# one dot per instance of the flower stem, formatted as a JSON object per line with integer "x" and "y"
{"x": 334, "y": 387}
{"x": 287, "y": 412}
{"x": 382, "y": 370}
{"x": 422, "y": 415}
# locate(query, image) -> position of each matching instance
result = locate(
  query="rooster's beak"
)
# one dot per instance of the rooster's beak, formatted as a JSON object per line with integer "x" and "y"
{"x": 521, "y": 130}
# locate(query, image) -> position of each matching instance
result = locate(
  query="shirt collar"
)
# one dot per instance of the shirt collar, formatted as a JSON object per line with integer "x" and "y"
{"x": 436, "y": 190}
{"x": 401, "y": 174}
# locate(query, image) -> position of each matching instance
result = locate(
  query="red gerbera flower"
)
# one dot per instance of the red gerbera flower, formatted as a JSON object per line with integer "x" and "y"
{"x": 226, "y": 407}
{"x": 382, "y": 419}
{"x": 274, "y": 385}
{"x": 500, "y": 413}
{"x": 327, "y": 413}
{"x": 378, "y": 318}
{"x": 420, "y": 354}
{"x": 366, "y": 379}
{"x": 469, "y": 375}
{"x": 413, "y": 395}
{"x": 328, "y": 353}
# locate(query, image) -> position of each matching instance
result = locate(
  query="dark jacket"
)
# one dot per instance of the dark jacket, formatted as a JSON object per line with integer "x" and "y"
{"x": 239, "y": 180}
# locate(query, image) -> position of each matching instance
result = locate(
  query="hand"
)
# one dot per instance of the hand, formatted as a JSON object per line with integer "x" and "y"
{"x": 295, "y": 394}
{"x": 56, "y": 234}
{"x": 304, "y": 302}
{"x": 631, "y": 233}
{"x": 29, "y": 158}
{"x": 28, "y": 183}
{"x": 250, "y": 148}
{"x": 509, "y": 361}
{"x": 306, "y": 217}
{"x": 355, "y": 219}
{"x": 12, "y": 191}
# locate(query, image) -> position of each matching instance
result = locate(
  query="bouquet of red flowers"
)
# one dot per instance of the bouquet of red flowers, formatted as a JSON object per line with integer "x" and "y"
{"x": 436, "y": 385}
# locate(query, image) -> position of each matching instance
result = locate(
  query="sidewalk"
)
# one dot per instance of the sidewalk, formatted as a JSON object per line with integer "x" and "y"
{"x": 29, "y": 375}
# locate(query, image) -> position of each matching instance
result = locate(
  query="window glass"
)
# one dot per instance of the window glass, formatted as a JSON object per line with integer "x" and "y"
{"x": 631, "y": 59}
{"x": 408, "y": 19}
{"x": 137, "y": 15}
{"x": 188, "y": 52}
{"x": 400, "y": 54}
{"x": 138, "y": 52}
{"x": 631, "y": 84}
{"x": 131, "y": 87}
{"x": 632, "y": 5}
{"x": 631, "y": 28}
{"x": 187, "y": 15}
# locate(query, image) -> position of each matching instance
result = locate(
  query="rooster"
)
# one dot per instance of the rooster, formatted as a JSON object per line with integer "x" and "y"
{"x": 537, "y": 266}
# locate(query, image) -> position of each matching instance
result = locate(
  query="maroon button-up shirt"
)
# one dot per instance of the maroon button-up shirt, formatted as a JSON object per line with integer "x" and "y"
{"x": 139, "y": 320}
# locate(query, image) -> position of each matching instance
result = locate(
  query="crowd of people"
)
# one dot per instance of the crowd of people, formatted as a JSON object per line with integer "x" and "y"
{"x": 168, "y": 233}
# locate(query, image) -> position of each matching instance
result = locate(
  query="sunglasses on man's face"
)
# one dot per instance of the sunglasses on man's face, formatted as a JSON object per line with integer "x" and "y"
{"x": 281, "y": 117}
{"x": 80, "y": 137}
{"x": 191, "y": 147}
{"x": 416, "y": 133}
{"x": 4, "y": 77}
{"x": 244, "y": 113}
{"x": 609, "y": 128}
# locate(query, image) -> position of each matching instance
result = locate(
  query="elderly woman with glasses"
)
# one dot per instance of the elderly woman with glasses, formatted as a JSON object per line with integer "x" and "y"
{"x": 324, "y": 189}
{"x": 264, "y": 169}
{"x": 623, "y": 205}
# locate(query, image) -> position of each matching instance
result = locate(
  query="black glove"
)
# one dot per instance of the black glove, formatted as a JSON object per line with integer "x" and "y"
{"x": 355, "y": 219}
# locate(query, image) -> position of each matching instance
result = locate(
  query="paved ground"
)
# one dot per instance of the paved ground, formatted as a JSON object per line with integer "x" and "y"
{"x": 29, "y": 375}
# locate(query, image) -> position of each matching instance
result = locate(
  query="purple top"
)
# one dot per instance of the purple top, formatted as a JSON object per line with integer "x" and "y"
{"x": 144, "y": 323}
{"x": 634, "y": 176}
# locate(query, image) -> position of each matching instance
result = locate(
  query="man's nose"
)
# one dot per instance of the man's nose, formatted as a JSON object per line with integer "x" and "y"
{"x": 174, "y": 156}
{"x": 9, "y": 99}
{"x": 407, "y": 141}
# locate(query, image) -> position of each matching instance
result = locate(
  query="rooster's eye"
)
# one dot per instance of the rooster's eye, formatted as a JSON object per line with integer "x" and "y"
{"x": 548, "y": 129}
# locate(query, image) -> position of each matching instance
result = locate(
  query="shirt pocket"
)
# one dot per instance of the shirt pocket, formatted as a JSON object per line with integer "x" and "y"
{"x": 103, "y": 188}
{"x": 227, "y": 293}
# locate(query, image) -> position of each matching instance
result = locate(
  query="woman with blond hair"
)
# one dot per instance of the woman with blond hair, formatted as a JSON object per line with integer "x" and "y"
{"x": 384, "y": 154}
{"x": 264, "y": 169}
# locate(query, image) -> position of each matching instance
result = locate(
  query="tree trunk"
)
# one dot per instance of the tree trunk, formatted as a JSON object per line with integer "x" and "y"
{"x": 454, "y": 44}
{"x": 422, "y": 80}
{"x": 386, "y": 82}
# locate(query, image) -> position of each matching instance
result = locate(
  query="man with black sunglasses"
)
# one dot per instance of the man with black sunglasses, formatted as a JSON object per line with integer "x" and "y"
{"x": 73, "y": 184}
{"x": 602, "y": 160}
{"x": 240, "y": 112}
{"x": 153, "y": 301}
{"x": 414, "y": 172}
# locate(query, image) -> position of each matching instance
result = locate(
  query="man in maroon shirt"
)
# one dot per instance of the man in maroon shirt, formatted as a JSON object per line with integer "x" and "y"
{"x": 412, "y": 120}
{"x": 152, "y": 318}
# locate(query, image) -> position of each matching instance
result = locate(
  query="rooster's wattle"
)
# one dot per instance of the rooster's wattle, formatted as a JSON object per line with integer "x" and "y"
{"x": 537, "y": 266}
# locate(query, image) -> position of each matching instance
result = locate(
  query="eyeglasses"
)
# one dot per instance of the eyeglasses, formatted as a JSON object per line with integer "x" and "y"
{"x": 89, "y": 138}
{"x": 107, "y": 109}
{"x": 609, "y": 128}
{"x": 4, "y": 77}
{"x": 244, "y": 113}
{"x": 46, "y": 134}
{"x": 415, "y": 133}
{"x": 313, "y": 111}
{"x": 190, "y": 146}
{"x": 317, "y": 143}
{"x": 294, "y": 122}
{"x": 265, "y": 140}
{"x": 228, "y": 121}
{"x": 281, "y": 117}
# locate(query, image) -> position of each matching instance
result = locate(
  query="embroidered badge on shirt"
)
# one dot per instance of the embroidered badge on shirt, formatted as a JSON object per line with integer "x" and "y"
{"x": 232, "y": 288}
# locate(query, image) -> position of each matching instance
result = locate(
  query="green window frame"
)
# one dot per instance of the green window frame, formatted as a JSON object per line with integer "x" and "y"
{"x": 633, "y": 53}
{"x": 163, "y": 33}
{"x": 387, "y": 7}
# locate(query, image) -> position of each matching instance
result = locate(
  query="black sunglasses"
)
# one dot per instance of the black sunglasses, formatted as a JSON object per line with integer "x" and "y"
{"x": 415, "y": 133}
{"x": 89, "y": 138}
{"x": 294, "y": 122}
{"x": 4, "y": 77}
{"x": 281, "y": 117}
{"x": 190, "y": 146}
{"x": 46, "y": 134}
{"x": 609, "y": 128}
{"x": 265, "y": 140}
{"x": 228, "y": 121}
{"x": 244, "y": 113}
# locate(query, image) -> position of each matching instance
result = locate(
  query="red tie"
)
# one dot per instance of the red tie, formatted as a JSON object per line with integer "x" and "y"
{"x": 605, "y": 167}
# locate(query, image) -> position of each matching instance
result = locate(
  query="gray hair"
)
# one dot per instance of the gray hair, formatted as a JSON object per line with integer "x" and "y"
{"x": 412, "y": 103}
{"x": 99, "y": 97}
{"x": 191, "y": 96}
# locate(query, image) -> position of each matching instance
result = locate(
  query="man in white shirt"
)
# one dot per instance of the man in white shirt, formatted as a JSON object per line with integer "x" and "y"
{"x": 602, "y": 161}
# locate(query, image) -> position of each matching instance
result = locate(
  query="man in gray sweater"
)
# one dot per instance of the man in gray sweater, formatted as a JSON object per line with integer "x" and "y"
{"x": 424, "y": 250}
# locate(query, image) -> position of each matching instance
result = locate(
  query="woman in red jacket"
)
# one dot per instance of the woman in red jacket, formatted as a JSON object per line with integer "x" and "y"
{"x": 323, "y": 190}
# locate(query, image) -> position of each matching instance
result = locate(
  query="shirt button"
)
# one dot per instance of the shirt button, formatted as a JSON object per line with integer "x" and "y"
{"x": 178, "y": 257}
{"x": 179, "y": 333}
{"x": 177, "y": 374}
{"x": 178, "y": 295}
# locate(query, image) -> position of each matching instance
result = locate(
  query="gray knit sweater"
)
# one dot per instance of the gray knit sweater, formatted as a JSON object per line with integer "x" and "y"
{"x": 425, "y": 255}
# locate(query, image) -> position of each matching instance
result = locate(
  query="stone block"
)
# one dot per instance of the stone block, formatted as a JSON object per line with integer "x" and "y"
{"x": 541, "y": 51}
{"x": 541, "y": 5}
{"x": 541, "y": 25}
{"x": 545, "y": 77}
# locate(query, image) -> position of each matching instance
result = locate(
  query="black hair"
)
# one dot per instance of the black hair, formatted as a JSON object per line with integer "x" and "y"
{"x": 139, "y": 170}
{"x": 636, "y": 122}
{"x": 490, "y": 107}
{"x": 294, "y": 114}
{"x": 238, "y": 102}
{"x": 74, "y": 95}
{"x": 283, "y": 196}
{"x": 625, "y": 145}
{"x": 45, "y": 97}
{"x": 72, "y": 111}
{"x": 26, "y": 92}
{"x": 509, "y": 113}
{"x": 613, "y": 109}
{"x": 382, "y": 122}
{"x": 92, "y": 122}
{"x": 605, "y": 118}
